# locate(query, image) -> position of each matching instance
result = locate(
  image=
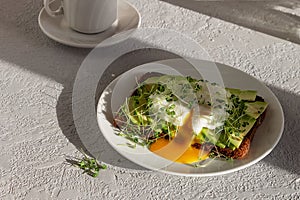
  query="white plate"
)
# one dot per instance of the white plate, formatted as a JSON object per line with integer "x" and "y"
{"x": 56, "y": 27}
{"x": 265, "y": 139}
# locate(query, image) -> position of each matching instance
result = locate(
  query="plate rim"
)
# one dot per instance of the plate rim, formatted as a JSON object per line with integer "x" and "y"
{"x": 207, "y": 174}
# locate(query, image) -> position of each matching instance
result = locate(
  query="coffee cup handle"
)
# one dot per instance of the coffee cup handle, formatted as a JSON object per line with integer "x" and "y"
{"x": 52, "y": 13}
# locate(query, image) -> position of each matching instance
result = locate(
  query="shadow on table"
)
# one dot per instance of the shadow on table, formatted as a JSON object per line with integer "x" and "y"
{"x": 286, "y": 153}
{"x": 273, "y": 17}
{"x": 24, "y": 45}
{"x": 93, "y": 142}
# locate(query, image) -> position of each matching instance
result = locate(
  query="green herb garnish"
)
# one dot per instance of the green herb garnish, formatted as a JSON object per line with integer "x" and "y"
{"x": 88, "y": 164}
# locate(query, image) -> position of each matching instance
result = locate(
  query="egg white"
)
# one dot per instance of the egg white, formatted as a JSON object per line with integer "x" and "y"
{"x": 202, "y": 116}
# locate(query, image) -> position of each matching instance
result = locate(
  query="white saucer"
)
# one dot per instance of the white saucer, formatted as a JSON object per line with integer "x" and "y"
{"x": 57, "y": 29}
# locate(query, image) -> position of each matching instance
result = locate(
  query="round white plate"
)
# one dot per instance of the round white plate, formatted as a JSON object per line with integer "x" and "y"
{"x": 56, "y": 27}
{"x": 265, "y": 139}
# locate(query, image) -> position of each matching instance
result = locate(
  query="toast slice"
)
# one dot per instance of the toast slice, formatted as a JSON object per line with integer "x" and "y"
{"x": 227, "y": 152}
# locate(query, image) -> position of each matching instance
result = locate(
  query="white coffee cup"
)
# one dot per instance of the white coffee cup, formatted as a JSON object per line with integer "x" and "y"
{"x": 86, "y": 16}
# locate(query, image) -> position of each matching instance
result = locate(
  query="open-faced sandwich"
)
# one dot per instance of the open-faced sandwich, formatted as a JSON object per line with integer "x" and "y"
{"x": 188, "y": 120}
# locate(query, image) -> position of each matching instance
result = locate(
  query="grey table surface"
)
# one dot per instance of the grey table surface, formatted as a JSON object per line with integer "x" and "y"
{"x": 37, "y": 74}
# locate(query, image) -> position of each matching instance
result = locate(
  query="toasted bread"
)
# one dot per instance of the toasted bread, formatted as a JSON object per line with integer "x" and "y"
{"x": 238, "y": 153}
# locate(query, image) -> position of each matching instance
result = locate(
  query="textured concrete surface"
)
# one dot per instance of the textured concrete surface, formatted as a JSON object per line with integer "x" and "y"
{"x": 37, "y": 131}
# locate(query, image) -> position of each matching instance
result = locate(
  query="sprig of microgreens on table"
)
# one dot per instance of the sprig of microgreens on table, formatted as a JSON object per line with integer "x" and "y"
{"x": 88, "y": 164}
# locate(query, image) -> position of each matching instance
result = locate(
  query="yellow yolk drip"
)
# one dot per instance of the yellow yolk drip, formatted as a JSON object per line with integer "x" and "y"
{"x": 191, "y": 155}
{"x": 179, "y": 149}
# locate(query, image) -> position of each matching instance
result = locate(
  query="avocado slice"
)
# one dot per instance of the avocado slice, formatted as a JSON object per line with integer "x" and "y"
{"x": 230, "y": 141}
{"x": 235, "y": 140}
{"x": 130, "y": 112}
{"x": 207, "y": 135}
{"x": 222, "y": 141}
{"x": 136, "y": 107}
{"x": 247, "y": 95}
{"x": 234, "y": 91}
{"x": 255, "y": 109}
{"x": 247, "y": 122}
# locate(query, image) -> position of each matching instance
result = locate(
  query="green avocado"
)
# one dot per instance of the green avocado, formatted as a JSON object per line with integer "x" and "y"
{"x": 255, "y": 109}
{"x": 246, "y": 123}
{"x": 137, "y": 107}
{"x": 207, "y": 135}
{"x": 247, "y": 95}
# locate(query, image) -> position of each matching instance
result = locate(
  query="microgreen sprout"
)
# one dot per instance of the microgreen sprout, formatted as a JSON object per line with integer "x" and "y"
{"x": 140, "y": 120}
{"x": 88, "y": 164}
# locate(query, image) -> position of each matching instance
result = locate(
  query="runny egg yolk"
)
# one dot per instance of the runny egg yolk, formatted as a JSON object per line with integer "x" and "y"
{"x": 179, "y": 149}
{"x": 190, "y": 155}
